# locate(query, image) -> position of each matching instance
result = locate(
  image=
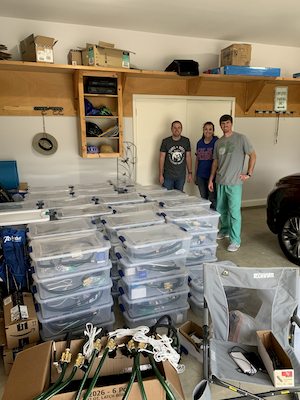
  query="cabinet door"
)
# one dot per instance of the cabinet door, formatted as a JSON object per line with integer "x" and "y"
{"x": 100, "y": 103}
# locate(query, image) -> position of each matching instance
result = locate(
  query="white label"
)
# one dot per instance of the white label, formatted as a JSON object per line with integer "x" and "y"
{"x": 79, "y": 254}
{"x": 7, "y": 301}
{"x": 45, "y": 55}
{"x": 213, "y": 355}
{"x": 125, "y": 64}
{"x": 280, "y": 98}
{"x": 91, "y": 61}
{"x": 24, "y": 312}
{"x": 129, "y": 271}
{"x": 139, "y": 292}
{"x": 265, "y": 275}
{"x": 179, "y": 318}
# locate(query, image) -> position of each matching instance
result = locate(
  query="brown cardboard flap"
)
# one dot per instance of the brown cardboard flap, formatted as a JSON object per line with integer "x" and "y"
{"x": 172, "y": 379}
{"x": 44, "y": 40}
{"x": 29, "y": 367}
{"x": 107, "y": 47}
{"x": 106, "y": 44}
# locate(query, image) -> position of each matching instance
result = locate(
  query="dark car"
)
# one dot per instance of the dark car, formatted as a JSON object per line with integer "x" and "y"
{"x": 283, "y": 215}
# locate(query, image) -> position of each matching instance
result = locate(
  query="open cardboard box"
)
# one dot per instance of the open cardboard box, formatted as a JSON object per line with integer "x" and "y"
{"x": 105, "y": 55}
{"x": 22, "y": 331}
{"x": 33, "y": 372}
{"x": 38, "y": 48}
{"x": 280, "y": 377}
{"x": 188, "y": 335}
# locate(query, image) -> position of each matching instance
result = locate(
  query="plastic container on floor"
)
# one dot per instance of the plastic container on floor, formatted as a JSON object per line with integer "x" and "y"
{"x": 204, "y": 237}
{"x": 178, "y": 316}
{"x": 19, "y": 206}
{"x": 190, "y": 201}
{"x": 60, "y": 325}
{"x": 154, "y": 287}
{"x": 191, "y": 219}
{"x": 163, "y": 195}
{"x": 201, "y": 254}
{"x": 67, "y": 202}
{"x": 77, "y": 334}
{"x": 74, "y": 282}
{"x": 123, "y": 198}
{"x": 129, "y": 208}
{"x": 41, "y": 196}
{"x": 62, "y": 254}
{"x": 73, "y": 302}
{"x": 162, "y": 267}
{"x": 93, "y": 210}
{"x": 154, "y": 242}
{"x": 155, "y": 304}
{"x": 48, "y": 189}
{"x": 90, "y": 186}
{"x": 116, "y": 222}
{"x": 58, "y": 228}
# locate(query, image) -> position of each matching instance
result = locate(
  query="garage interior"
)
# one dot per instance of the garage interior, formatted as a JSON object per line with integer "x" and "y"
{"x": 157, "y": 33}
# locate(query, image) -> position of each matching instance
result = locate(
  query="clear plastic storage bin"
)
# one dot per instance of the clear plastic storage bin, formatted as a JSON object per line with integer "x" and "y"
{"x": 154, "y": 287}
{"x": 41, "y": 196}
{"x": 73, "y": 302}
{"x": 123, "y": 198}
{"x": 178, "y": 316}
{"x": 154, "y": 242}
{"x": 48, "y": 189}
{"x": 151, "y": 188}
{"x": 139, "y": 270}
{"x": 191, "y": 219}
{"x": 155, "y": 304}
{"x": 19, "y": 205}
{"x": 190, "y": 201}
{"x": 57, "y": 228}
{"x": 116, "y": 222}
{"x": 93, "y": 210}
{"x": 64, "y": 254}
{"x": 204, "y": 237}
{"x": 90, "y": 186}
{"x": 202, "y": 254}
{"x": 77, "y": 334}
{"x": 71, "y": 282}
{"x": 162, "y": 195}
{"x": 196, "y": 306}
{"x": 76, "y": 321}
{"x": 67, "y": 202}
{"x": 129, "y": 208}
{"x": 109, "y": 190}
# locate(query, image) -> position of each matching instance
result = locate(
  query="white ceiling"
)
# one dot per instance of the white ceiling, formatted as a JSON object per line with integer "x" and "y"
{"x": 258, "y": 21}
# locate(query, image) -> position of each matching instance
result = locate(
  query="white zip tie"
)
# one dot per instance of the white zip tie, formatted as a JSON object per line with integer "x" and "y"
{"x": 91, "y": 332}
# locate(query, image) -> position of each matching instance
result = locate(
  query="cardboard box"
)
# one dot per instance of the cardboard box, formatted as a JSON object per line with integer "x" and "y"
{"x": 105, "y": 55}
{"x": 189, "y": 334}
{"x": 21, "y": 324}
{"x": 38, "y": 49}
{"x": 236, "y": 54}
{"x": 35, "y": 379}
{"x": 9, "y": 356}
{"x": 75, "y": 57}
{"x": 280, "y": 377}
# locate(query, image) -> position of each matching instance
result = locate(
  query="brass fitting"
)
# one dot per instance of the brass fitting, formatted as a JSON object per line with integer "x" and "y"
{"x": 130, "y": 345}
{"x": 97, "y": 345}
{"x": 66, "y": 356}
{"x": 79, "y": 360}
{"x": 168, "y": 285}
{"x": 111, "y": 344}
{"x": 142, "y": 345}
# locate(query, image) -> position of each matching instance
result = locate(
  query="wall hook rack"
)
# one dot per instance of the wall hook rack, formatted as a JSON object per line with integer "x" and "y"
{"x": 55, "y": 110}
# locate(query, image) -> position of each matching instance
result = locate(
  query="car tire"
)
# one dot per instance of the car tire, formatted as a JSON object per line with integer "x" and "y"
{"x": 289, "y": 236}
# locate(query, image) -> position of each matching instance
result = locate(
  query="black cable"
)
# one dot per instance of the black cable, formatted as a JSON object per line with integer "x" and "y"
{"x": 162, "y": 251}
{"x": 78, "y": 305}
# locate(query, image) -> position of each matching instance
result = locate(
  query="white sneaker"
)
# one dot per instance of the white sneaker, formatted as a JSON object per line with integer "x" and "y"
{"x": 233, "y": 246}
{"x": 221, "y": 236}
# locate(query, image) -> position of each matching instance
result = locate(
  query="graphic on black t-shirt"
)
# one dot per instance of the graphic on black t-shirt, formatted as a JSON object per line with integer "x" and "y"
{"x": 176, "y": 154}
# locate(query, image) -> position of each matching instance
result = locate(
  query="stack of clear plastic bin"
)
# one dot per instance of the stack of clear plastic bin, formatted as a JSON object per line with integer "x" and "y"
{"x": 114, "y": 223}
{"x": 202, "y": 224}
{"x": 154, "y": 277}
{"x": 71, "y": 274}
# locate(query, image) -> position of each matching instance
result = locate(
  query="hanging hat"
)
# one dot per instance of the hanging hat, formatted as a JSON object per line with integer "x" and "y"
{"x": 44, "y": 144}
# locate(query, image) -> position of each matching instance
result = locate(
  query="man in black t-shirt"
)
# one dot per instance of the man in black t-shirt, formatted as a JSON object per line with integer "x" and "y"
{"x": 175, "y": 157}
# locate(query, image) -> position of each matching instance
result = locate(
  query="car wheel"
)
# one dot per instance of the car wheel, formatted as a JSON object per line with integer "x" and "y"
{"x": 289, "y": 236}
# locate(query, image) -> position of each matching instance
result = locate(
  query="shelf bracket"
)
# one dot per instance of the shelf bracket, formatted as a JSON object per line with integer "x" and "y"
{"x": 253, "y": 90}
{"x": 194, "y": 86}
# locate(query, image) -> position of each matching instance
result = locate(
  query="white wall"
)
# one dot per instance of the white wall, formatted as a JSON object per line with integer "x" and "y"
{"x": 153, "y": 52}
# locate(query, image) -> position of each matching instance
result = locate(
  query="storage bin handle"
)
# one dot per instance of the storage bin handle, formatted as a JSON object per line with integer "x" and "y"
{"x": 122, "y": 239}
{"x": 118, "y": 255}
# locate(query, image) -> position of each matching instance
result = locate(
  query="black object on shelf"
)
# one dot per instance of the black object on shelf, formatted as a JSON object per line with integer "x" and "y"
{"x": 184, "y": 67}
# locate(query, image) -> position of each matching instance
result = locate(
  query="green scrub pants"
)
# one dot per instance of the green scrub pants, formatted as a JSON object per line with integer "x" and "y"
{"x": 229, "y": 206}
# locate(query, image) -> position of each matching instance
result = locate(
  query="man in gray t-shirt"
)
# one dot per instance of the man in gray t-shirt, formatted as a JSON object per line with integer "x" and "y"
{"x": 229, "y": 156}
{"x": 175, "y": 157}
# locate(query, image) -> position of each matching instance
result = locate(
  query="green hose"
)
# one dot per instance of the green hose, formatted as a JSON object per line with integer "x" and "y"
{"x": 62, "y": 385}
{"x": 79, "y": 391}
{"x": 130, "y": 383}
{"x": 97, "y": 372}
{"x": 170, "y": 395}
{"x": 42, "y": 395}
{"x": 139, "y": 375}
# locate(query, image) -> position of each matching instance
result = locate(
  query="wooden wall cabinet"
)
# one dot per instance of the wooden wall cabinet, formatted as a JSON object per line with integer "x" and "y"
{"x": 111, "y": 101}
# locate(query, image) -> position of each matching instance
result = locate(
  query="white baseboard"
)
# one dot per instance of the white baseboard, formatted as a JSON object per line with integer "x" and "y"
{"x": 254, "y": 203}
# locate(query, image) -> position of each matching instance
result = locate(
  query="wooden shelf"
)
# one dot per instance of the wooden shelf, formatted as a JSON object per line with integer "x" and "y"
{"x": 24, "y": 85}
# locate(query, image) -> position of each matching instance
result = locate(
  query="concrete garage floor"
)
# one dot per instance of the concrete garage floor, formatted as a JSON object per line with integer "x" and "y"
{"x": 259, "y": 248}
